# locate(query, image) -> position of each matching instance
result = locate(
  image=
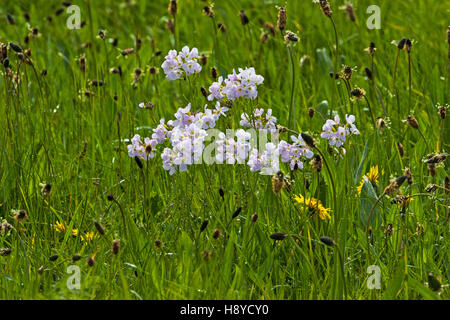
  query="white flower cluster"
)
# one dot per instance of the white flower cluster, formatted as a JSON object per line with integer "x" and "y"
{"x": 243, "y": 84}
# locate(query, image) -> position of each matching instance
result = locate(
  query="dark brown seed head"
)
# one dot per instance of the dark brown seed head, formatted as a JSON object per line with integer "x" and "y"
{"x": 311, "y": 112}
{"x": 358, "y": 93}
{"x": 208, "y": 11}
{"x": 432, "y": 169}
{"x": 221, "y": 27}
{"x": 115, "y": 247}
{"x": 401, "y": 44}
{"x": 431, "y": 188}
{"x": 433, "y": 283}
{"x": 76, "y": 257}
{"x": 389, "y": 231}
{"x": 204, "y": 92}
{"x": 214, "y": 73}
{"x": 59, "y": 11}
{"x": 221, "y": 193}
{"x": 244, "y": 18}
{"x": 278, "y": 236}
{"x": 5, "y": 252}
{"x": 203, "y": 59}
{"x": 347, "y": 72}
{"x": 381, "y": 124}
{"x": 394, "y": 185}
{"x": 442, "y": 112}
{"x": 26, "y": 16}
{"x": 110, "y": 197}
{"x": 326, "y": 9}
{"x": 204, "y": 225}
{"x": 66, "y": 3}
{"x": 369, "y": 73}
{"x": 148, "y": 149}
{"x": 411, "y": 120}
{"x": 10, "y": 19}
{"x": 138, "y": 162}
{"x": 20, "y": 215}
{"x": 236, "y": 213}
{"x": 290, "y": 37}
{"x": 282, "y": 18}
{"x": 327, "y": 241}
{"x": 15, "y": 47}
{"x": 269, "y": 27}
{"x": 308, "y": 139}
{"x": 408, "y": 174}
{"x": 44, "y": 72}
{"x": 138, "y": 43}
{"x": 400, "y": 148}
{"x": 216, "y": 234}
{"x": 90, "y": 261}
{"x": 46, "y": 190}
{"x": 99, "y": 228}
{"x": 53, "y": 257}
{"x": 350, "y": 11}
{"x": 158, "y": 244}
{"x": 254, "y": 217}
{"x": 371, "y": 49}
{"x": 153, "y": 70}
{"x": 173, "y": 7}
{"x": 264, "y": 37}
{"x": 41, "y": 270}
{"x": 316, "y": 162}
{"x": 440, "y": 157}
{"x": 128, "y": 51}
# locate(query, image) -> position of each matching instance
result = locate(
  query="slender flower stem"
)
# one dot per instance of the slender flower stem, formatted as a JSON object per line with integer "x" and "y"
{"x": 337, "y": 45}
{"x": 370, "y": 109}
{"x": 292, "y": 106}
{"x": 331, "y": 177}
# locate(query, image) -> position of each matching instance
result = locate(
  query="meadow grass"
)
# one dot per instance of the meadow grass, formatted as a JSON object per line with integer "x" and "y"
{"x": 62, "y": 130}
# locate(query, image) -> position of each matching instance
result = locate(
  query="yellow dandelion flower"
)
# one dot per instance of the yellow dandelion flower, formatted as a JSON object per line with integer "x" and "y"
{"x": 60, "y": 227}
{"x": 88, "y": 237}
{"x": 74, "y": 232}
{"x": 314, "y": 206}
{"x": 372, "y": 176}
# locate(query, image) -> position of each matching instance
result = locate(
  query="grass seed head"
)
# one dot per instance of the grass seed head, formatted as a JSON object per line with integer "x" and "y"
{"x": 5, "y": 252}
{"x": 214, "y": 73}
{"x": 53, "y": 257}
{"x": 327, "y": 241}
{"x": 173, "y": 7}
{"x": 290, "y": 37}
{"x": 347, "y": 72}
{"x": 15, "y": 47}
{"x": 208, "y": 11}
{"x": 158, "y": 244}
{"x": 244, "y": 18}
{"x": 254, "y": 217}
{"x": 216, "y": 234}
{"x": 46, "y": 190}
{"x": 350, "y": 12}
{"x": 221, "y": 27}
{"x": 20, "y": 216}
{"x": 308, "y": 139}
{"x": 278, "y": 236}
{"x": 316, "y": 162}
{"x": 90, "y": 261}
{"x": 138, "y": 162}
{"x": 412, "y": 121}
{"x": 433, "y": 283}
{"x": 76, "y": 257}
{"x": 326, "y": 9}
{"x": 401, "y": 149}
{"x": 99, "y": 228}
{"x": 204, "y": 225}
{"x": 408, "y": 175}
{"x": 10, "y": 19}
{"x": 236, "y": 213}
{"x": 115, "y": 247}
{"x": 282, "y": 18}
